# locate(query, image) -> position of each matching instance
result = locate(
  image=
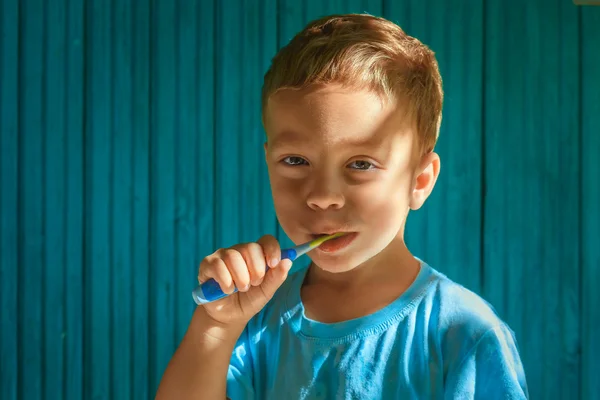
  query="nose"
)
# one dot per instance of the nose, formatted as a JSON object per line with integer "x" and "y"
{"x": 325, "y": 194}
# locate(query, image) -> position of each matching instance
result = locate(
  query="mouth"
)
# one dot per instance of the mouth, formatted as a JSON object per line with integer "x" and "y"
{"x": 337, "y": 244}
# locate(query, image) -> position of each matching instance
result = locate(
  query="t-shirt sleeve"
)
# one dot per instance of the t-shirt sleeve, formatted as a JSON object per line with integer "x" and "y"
{"x": 240, "y": 373}
{"x": 491, "y": 369}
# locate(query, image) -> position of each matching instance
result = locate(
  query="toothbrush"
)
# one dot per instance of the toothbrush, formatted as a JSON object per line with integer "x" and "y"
{"x": 210, "y": 290}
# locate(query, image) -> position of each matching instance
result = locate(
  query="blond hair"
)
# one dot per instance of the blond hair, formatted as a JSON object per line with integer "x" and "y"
{"x": 363, "y": 52}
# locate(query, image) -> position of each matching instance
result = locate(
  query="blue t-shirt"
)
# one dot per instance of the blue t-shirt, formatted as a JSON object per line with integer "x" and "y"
{"x": 437, "y": 340}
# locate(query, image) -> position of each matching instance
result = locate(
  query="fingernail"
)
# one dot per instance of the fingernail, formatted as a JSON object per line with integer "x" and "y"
{"x": 288, "y": 264}
{"x": 256, "y": 282}
{"x": 274, "y": 262}
{"x": 245, "y": 288}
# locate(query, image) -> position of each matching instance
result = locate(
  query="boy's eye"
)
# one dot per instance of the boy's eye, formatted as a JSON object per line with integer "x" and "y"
{"x": 292, "y": 160}
{"x": 361, "y": 165}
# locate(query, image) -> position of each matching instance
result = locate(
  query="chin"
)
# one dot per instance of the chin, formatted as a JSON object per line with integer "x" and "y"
{"x": 336, "y": 263}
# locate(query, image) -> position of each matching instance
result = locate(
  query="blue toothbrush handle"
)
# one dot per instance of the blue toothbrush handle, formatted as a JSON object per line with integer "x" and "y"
{"x": 210, "y": 290}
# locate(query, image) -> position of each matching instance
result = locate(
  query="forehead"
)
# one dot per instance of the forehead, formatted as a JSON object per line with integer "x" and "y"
{"x": 332, "y": 115}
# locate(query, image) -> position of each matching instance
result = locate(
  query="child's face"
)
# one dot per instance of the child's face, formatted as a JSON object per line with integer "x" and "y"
{"x": 342, "y": 160}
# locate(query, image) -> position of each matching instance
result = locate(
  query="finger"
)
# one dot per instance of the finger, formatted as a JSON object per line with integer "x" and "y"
{"x": 215, "y": 268}
{"x": 271, "y": 250}
{"x": 274, "y": 278}
{"x": 237, "y": 268}
{"x": 255, "y": 260}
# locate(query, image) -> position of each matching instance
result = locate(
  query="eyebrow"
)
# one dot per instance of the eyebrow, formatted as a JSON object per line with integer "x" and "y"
{"x": 287, "y": 138}
{"x": 290, "y": 138}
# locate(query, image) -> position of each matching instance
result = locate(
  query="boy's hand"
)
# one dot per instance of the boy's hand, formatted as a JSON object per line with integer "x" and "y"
{"x": 243, "y": 266}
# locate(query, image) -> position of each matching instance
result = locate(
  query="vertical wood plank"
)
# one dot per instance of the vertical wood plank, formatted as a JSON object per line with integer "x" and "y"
{"x": 31, "y": 196}
{"x": 74, "y": 203}
{"x": 590, "y": 198}
{"x": 530, "y": 235}
{"x": 99, "y": 194}
{"x": 267, "y": 50}
{"x": 55, "y": 201}
{"x": 162, "y": 175}
{"x": 187, "y": 137}
{"x": 121, "y": 211}
{"x": 228, "y": 147}
{"x": 446, "y": 231}
{"x": 204, "y": 84}
{"x": 9, "y": 200}
{"x": 563, "y": 321}
{"x": 140, "y": 164}
{"x": 258, "y": 39}
{"x": 502, "y": 96}
{"x": 506, "y": 117}
{"x": 250, "y": 138}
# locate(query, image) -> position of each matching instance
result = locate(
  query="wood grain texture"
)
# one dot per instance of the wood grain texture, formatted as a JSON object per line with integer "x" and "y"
{"x": 163, "y": 146}
{"x": 32, "y": 183}
{"x": 99, "y": 192}
{"x": 187, "y": 136}
{"x": 228, "y": 147}
{"x": 140, "y": 200}
{"x": 268, "y": 42}
{"x": 590, "y": 198}
{"x": 121, "y": 183}
{"x": 531, "y": 231}
{"x": 74, "y": 275}
{"x": 55, "y": 200}
{"x": 10, "y": 335}
{"x": 258, "y": 44}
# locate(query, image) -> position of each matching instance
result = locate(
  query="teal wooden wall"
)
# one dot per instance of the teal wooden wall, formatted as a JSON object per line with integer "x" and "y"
{"x": 131, "y": 147}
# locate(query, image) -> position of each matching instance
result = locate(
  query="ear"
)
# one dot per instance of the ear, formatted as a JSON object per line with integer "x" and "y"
{"x": 426, "y": 175}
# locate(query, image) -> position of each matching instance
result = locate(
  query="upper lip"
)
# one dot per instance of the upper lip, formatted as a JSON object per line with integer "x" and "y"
{"x": 328, "y": 232}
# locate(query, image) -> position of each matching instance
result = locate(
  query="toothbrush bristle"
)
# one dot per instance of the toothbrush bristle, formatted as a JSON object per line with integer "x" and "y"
{"x": 319, "y": 241}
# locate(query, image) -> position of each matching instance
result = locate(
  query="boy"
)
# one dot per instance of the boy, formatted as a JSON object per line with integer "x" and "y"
{"x": 352, "y": 110}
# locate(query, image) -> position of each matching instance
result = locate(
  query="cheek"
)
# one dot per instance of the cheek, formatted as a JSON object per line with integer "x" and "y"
{"x": 382, "y": 207}
{"x": 286, "y": 192}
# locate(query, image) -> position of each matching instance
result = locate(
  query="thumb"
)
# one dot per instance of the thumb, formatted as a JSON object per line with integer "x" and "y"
{"x": 275, "y": 277}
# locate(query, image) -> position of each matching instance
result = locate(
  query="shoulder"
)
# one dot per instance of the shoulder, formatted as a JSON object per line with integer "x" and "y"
{"x": 479, "y": 350}
{"x": 462, "y": 319}
{"x": 461, "y": 311}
